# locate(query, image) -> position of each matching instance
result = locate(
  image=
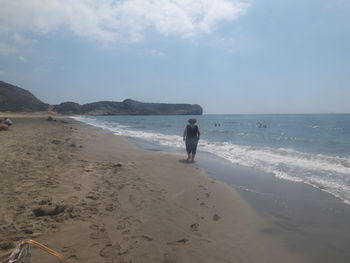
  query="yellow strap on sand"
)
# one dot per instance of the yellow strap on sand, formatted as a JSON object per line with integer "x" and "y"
{"x": 45, "y": 248}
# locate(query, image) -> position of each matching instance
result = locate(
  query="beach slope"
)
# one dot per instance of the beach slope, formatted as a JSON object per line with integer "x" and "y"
{"x": 94, "y": 197}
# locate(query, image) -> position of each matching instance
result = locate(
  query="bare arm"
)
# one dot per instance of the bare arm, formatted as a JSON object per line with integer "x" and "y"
{"x": 185, "y": 134}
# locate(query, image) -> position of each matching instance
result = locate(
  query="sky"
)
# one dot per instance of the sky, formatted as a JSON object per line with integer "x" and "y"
{"x": 229, "y": 56}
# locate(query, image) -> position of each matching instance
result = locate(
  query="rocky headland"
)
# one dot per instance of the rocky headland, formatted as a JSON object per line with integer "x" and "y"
{"x": 16, "y": 99}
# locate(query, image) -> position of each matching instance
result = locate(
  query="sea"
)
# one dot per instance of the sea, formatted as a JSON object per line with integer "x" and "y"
{"x": 309, "y": 148}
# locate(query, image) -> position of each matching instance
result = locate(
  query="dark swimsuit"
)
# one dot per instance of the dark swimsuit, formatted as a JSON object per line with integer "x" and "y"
{"x": 191, "y": 139}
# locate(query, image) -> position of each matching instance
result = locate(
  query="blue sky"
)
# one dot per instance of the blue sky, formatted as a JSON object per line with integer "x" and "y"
{"x": 252, "y": 56}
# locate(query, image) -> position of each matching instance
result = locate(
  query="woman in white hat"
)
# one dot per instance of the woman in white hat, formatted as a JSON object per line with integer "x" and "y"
{"x": 191, "y": 138}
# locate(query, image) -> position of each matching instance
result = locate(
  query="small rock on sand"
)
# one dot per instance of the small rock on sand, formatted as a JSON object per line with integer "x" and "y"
{"x": 48, "y": 211}
{"x": 216, "y": 217}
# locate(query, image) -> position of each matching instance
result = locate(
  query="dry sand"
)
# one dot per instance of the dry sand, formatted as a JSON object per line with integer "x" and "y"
{"x": 95, "y": 197}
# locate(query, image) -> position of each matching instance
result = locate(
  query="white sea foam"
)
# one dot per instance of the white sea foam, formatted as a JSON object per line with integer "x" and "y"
{"x": 331, "y": 174}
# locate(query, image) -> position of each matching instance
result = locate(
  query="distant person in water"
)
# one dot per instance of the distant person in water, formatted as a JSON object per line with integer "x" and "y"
{"x": 191, "y": 137}
{"x": 259, "y": 125}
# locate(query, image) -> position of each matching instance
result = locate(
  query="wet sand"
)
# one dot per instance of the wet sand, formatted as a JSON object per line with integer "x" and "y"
{"x": 95, "y": 197}
{"x": 306, "y": 219}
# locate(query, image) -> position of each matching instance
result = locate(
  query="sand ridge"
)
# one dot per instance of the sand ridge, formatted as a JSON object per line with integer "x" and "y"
{"x": 94, "y": 197}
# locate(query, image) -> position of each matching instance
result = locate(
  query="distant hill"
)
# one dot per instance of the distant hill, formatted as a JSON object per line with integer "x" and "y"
{"x": 16, "y": 99}
{"x": 67, "y": 108}
{"x": 128, "y": 107}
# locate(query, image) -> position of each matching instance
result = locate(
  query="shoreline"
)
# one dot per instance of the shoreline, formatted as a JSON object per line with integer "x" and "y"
{"x": 307, "y": 219}
{"x": 318, "y": 169}
{"x": 114, "y": 202}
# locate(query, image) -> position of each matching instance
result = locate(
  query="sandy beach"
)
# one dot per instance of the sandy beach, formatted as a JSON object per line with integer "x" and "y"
{"x": 174, "y": 131}
{"x": 95, "y": 197}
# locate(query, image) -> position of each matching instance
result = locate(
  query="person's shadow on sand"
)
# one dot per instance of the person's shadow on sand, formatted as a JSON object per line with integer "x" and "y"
{"x": 186, "y": 161}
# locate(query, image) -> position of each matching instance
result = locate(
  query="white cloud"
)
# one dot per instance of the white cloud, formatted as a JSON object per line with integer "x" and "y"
{"x": 6, "y": 49}
{"x": 157, "y": 52}
{"x": 116, "y": 20}
{"x": 22, "y": 40}
{"x": 22, "y": 59}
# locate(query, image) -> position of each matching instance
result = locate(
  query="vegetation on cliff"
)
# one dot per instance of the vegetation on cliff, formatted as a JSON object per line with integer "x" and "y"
{"x": 15, "y": 99}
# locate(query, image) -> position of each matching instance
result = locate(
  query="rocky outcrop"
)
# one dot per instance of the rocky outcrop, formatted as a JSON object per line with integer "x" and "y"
{"x": 15, "y": 99}
{"x": 104, "y": 108}
{"x": 67, "y": 108}
{"x": 128, "y": 107}
{"x": 162, "y": 108}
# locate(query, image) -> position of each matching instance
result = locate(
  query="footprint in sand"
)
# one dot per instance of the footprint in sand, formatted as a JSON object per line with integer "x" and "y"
{"x": 130, "y": 221}
{"x": 110, "y": 207}
{"x": 201, "y": 186}
{"x": 216, "y": 217}
{"x": 74, "y": 198}
{"x": 121, "y": 226}
{"x": 136, "y": 203}
{"x": 167, "y": 258}
{"x": 97, "y": 235}
{"x": 157, "y": 195}
{"x": 99, "y": 232}
{"x": 108, "y": 183}
{"x": 73, "y": 257}
{"x": 126, "y": 232}
{"x": 92, "y": 197}
{"x": 121, "y": 186}
{"x": 178, "y": 242}
{"x": 144, "y": 237}
{"x": 194, "y": 226}
{"x": 69, "y": 249}
{"x": 112, "y": 251}
{"x": 114, "y": 197}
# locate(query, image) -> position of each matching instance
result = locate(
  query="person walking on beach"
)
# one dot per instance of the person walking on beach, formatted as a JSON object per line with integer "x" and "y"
{"x": 191, "y": 138}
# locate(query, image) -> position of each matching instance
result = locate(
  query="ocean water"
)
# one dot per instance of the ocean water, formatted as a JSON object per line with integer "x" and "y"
{"x": 314, "y": 149}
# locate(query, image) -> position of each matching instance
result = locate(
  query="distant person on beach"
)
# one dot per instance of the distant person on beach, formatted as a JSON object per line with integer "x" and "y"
{"x": 3, "y": 126}
{"x": 8, "y": 122}
{"x": 191, "y": 138}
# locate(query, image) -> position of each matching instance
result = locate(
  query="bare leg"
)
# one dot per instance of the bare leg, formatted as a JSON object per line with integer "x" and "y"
{"x": 188, "y": 156}
{"x": 192, "y": 159}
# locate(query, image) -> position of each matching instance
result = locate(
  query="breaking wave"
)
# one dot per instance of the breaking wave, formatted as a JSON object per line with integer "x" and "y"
{"x": 330, "y": 174}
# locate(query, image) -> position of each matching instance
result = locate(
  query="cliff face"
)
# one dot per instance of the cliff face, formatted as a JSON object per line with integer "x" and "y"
{"x": 15, "y": 99}
{"x": 67, "y": 108}
{"x": 163, "y": 108}
{"x": 128, "y": 107}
